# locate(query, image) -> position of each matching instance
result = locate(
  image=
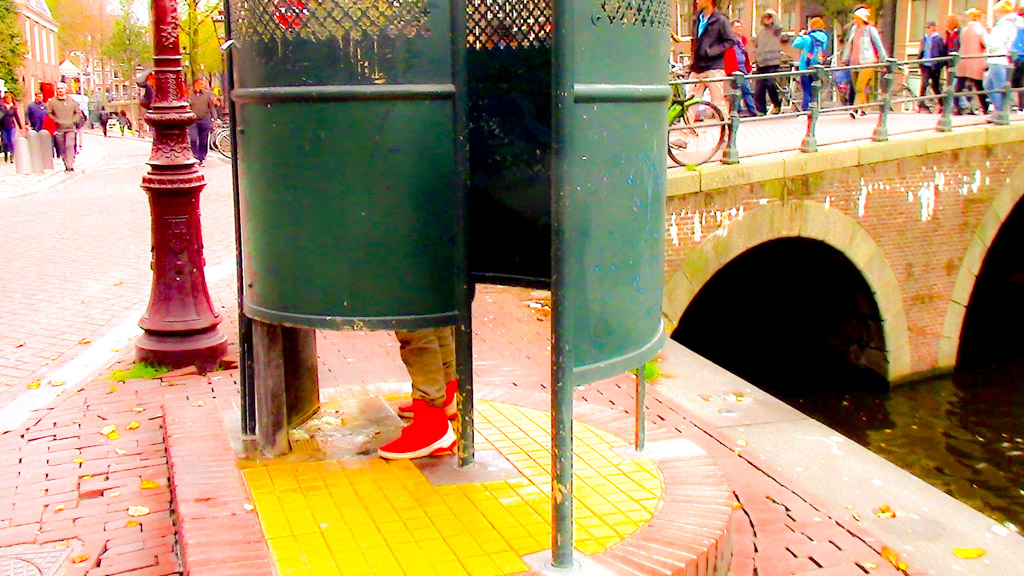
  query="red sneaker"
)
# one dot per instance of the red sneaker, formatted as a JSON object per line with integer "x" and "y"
{"x": 429, "y": 433}
{"x": 450, "y": 409}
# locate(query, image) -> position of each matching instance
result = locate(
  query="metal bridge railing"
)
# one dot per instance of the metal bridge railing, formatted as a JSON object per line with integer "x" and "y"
{"x": 827, "y": 95}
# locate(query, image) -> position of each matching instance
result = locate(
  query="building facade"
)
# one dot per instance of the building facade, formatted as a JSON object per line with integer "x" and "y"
{"x": 39, "y": 30}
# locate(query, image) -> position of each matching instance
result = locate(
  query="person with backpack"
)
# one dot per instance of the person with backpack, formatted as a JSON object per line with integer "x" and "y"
{"x": 998, "y": 43}
{"x": 932, "y": 46}
{"x": 813, "y": 46}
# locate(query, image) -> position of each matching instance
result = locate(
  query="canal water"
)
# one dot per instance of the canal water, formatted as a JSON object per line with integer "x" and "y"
{"x": 962, "y": 433}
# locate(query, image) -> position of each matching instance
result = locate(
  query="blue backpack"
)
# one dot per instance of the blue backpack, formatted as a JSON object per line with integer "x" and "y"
{"x": 817, "y": 54}
{"x": 1018, "y": 46}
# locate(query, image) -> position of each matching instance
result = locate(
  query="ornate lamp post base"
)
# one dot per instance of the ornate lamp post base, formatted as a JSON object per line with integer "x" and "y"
{"x": 180, "y": 324}
{"x": 203, "y": 350}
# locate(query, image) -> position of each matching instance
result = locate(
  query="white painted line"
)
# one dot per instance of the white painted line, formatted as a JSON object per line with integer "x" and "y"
{"x": 83, "y": 367}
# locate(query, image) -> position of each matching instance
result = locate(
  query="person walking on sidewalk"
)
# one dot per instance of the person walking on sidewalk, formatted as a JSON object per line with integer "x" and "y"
{"x": 35, "y": 113}
{"x": 932, "y": 46}
{"x": 813, "y": 46}
{"x": 737, "y": 59}
{"x": 970, "y": 71}
{"x": 863, "y": 46}
{"x": 768, "y": 56}
{"x": 10, "y": 124}
{"x": 66, "y": 114}
{"x": 204, "y": 105}
{"x": 429, "y": 356}
{"x": 712, "y": 37}
{"x": 998, "y": 43}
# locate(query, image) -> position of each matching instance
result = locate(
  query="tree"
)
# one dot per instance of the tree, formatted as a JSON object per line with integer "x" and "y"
{"x": 12, "y": 47}
{"x": 84, "y": 25}
{"x": 198, "y": 37}
{"x": 129, "y": 43}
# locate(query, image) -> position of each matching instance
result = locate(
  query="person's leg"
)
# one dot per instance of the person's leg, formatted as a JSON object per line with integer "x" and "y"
{"x": 760, "y": 96}
{"x": 193, "y": 140}
{"x": 1017, "y": 81}
{"x": 862, "y": 78}
{"x": 5, "y": 141}
{"x": 716, "y": 89}
{"x": 446, "y": 345}
{"x": 430, "y": 432}
{"x": 807, "y": 84}
{"x": 421, "y": 354}
{"x": 203, "y": 138}
{"x": 748, "y": 97}
{"x": 69, "y": 149}
{"x": 983, "y": 98}
{"x": 959, "y": 102}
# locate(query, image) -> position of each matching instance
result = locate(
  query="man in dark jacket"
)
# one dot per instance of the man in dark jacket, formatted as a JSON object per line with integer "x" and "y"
{"x": 36, "y": 112}
{"x": 712, "y": 36}
{"x": 932, "y": 46}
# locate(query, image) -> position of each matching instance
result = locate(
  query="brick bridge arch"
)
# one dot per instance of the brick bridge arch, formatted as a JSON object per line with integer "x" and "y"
{"x": 798, "y": 219}
{"x": 970, "y": 266}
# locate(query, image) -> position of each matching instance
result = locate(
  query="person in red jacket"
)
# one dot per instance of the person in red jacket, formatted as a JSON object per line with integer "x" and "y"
{"x": 737, "y": 59}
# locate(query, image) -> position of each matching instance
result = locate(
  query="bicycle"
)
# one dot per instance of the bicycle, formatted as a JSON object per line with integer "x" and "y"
{"x": 696, "y": 128}
{"x": 220, "y": 140}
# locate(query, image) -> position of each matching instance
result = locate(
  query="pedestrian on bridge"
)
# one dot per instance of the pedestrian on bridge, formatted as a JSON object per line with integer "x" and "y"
{"x": 737, "y": 59}
{"x": 970, "y": 71}
{"x": 768, "y": 53}
{"x": 813, "y": 46}
{"x": 932, "y": 46}
{"x": 863, "y": 46}
{"x": 998, "y": 43}
{"x": 712, "y": 38}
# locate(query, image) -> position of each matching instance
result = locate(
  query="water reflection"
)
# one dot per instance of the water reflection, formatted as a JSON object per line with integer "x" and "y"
{"x": 962, "y": 433}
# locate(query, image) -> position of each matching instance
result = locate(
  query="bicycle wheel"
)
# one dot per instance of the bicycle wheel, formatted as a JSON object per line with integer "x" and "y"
{"x": 697, "y": 135}
{"x": 224, "y": 143}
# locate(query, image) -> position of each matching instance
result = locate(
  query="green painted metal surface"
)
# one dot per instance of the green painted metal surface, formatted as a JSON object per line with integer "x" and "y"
{"x": 349, "y": 190}
{"x": 610, "y": 98}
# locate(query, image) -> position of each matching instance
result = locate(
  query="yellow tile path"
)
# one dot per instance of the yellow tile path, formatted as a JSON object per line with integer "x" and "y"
{"x": 371, "y": 516}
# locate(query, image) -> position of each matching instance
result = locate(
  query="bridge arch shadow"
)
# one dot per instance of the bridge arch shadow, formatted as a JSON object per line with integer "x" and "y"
{"x": 983, "y": 319}
{"x": 792, "y": 282}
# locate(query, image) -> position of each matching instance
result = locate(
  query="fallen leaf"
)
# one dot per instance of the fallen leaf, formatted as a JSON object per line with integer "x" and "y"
{"x": 885, "y": 512}
{"x": 146, "y": 484}
{"x": 80, "y": 558}
{"x": 87, "y": 476}
{"x": 56, "y": 383}
{"x": 85, "y": 341}
{"x": 78, "y": 460}
{"x": 869, "y": 565}
{"x": 112, "y": 390}
{"x": 199, "y": 403}
{"x": 33, "y": 386}
{"x": 968, "y": 553}
{"x": 108, "y": 429}
{"x": 113, "y": 435}
{"x": 737, "y": 505}
{"x": 114, "y": 493}
{"x": 120, "y": 452}
{"x": 131, "y": 523}
{"x": 741, "y": 442}
{"x": 132, "y": 425}
{"x": 137, "y": 511}
{"x": 138, "y": 409}
{"x": 58, "y": 508}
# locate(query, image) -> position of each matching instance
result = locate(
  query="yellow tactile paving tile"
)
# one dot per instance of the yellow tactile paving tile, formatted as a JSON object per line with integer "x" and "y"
{"x": 371, "y": 516}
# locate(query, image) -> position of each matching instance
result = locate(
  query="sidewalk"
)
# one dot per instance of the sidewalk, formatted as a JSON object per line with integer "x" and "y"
{"x": 13, "y": 184}
{"x": 693, "y": 503}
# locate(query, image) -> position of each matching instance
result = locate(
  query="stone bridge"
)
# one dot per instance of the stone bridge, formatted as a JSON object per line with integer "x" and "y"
{"x": 884, "y": 254}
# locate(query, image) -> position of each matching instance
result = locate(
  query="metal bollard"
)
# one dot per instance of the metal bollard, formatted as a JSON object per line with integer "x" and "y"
{"x": 34, "y": 143}
{"x": 22, "y": 165}
{"x": 46, "y": 149}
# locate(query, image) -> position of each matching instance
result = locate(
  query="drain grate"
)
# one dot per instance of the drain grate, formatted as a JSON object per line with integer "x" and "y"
{"x": 32, "y": 562}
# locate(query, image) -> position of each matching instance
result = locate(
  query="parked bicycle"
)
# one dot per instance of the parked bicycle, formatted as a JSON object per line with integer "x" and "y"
{"x": 220, "y": 140}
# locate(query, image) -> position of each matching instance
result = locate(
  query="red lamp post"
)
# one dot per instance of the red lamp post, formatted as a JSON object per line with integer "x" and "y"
{"x": 180, "y": 324}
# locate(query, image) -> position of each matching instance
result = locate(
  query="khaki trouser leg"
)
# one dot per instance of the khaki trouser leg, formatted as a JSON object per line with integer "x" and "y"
{"x": 421, "y": 353}
{"x": 446, "y": 343}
